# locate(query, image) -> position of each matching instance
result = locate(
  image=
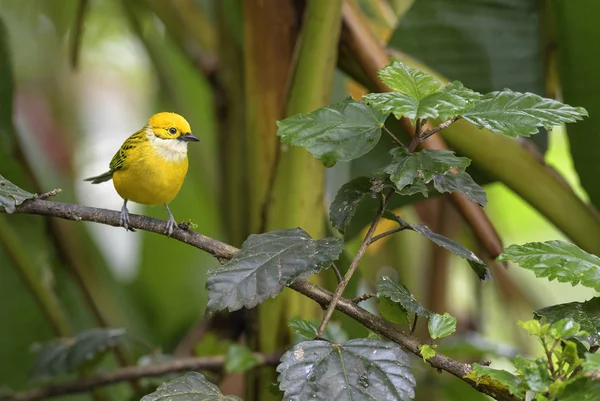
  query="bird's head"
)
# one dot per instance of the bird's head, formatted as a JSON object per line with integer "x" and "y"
{"x": 171, "y": 126}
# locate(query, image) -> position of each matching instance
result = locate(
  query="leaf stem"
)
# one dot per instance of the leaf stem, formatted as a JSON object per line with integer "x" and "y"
{"x": 389, "y": 232}
{"x": 361, "y": 251}
{"x": 414, "y": 325}
{"x": 338, "y": 275}
{"x": 394, "y": 138}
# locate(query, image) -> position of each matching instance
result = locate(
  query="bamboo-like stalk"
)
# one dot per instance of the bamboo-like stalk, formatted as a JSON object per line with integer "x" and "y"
{"x": 47, "y": 301}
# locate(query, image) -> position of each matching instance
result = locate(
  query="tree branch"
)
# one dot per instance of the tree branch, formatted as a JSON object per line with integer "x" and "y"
{"x": 223, "y": 252}
{"x": 131, "y": 373}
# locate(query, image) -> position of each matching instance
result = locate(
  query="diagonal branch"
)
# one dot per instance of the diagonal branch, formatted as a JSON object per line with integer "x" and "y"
{"x": 223, "y": 252}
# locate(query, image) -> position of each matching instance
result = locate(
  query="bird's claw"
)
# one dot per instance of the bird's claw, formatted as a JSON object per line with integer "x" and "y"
{"x": 124, "y": 219}
{"x": 171, "y": 224}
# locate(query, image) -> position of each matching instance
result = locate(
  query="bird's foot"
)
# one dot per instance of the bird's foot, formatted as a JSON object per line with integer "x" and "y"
{"x": 171, "y": 224}
{"x": 124, "y": 218}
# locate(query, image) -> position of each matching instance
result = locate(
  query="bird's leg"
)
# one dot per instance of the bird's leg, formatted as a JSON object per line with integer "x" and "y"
{"x": 124, "y": 218}
{"x": 171, "y": 223}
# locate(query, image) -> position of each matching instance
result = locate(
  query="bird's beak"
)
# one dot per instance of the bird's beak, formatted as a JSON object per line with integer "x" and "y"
{"x": 188, "y": 138}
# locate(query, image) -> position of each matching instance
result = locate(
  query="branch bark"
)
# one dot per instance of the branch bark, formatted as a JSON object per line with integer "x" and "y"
{"x": 132, "y": 373}
{"x": 223, "y": 252}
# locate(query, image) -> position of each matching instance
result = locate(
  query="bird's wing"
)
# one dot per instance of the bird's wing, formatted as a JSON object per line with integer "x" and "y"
{"x": 120, "y": 158}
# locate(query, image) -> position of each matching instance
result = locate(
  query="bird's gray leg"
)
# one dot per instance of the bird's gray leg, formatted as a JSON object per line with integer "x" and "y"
{"x": 124, "y": 217}
{"x": 171, "y": 223}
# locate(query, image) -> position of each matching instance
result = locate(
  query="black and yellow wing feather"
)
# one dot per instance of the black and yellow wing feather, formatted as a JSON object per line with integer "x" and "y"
{"x": 119, "y": 160}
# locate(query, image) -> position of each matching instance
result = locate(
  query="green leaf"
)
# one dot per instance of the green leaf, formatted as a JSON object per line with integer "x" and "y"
{"x": 388, "y": 288}
{"x": 307, "y": 330}
{"x": 190, "y": 387}
{"x": 441, "y": 325}
{"x": 360, "y": 369}
{"x": 513, "y": 113}
{"x": 404, "y": 79}
{"x": 346, "y": 202}
{"x": 478, "y": 266}
{"x": 496, "y": 376}
{"x": 534, "y": 372}
{"x": 450, "y": 100}
{"x": 584, "y": 389}
{"x": 12, "y": 196}
{"x": 559, "y": 260}
{"x": 565, "y": 328}
{"x": 66, "y": 355}
{"x": 239, "y": 359}
{"x": 592, "y": 362}
{"x": 392, "y": 311}
{"x": 586, "y": 314}
{"x": 534, "y": 328}
{"x": 409, "y": 168}
{"x": 341, "y": 132}
{"x": 576, "y": 32}
{"x": 303, "y": 328}
{"x": 265, "y": 264}
{"x": 463, "y": 183}
{"x": 427, "y": 351}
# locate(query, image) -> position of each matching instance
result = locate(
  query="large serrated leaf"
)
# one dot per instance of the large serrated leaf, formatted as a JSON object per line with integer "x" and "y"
{"x": 360, "y": 369}
{"x": 478, "y": 265}
{"x": 11, "y": 195}
{"x": 346, "y": 201}
{"x": 463, "y": 183}
{"x": 66, "y": 355}
{"x": 265, "y": 264}
{"x": 402, "y": 78}
{"x": 558, "y": 260}
{"x": 190, "y": 387}
{"x": 587, "y": 314}
{"x": 386, "y": 287}
{"x": 411, "y": 168}
{"x": 513, "y": 113}
{"x": 451, "y": 100}
{"x": 341, "y": 132}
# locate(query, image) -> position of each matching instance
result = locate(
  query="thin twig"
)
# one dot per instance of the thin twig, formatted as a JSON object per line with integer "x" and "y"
{"x": 440, "y": 127}
{"x": 361, "y": 251}
{"x": 133, "y": 372}
{"x": 48, "y": 194}
{"x": 337, "y": 273}
{"x": 394, "y": 138}
{"x": 363, "y": 297}
{"x": 223, "y": 251}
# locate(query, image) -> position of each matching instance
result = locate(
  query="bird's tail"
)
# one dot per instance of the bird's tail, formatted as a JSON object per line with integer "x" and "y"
{"x": 100, "y": 178}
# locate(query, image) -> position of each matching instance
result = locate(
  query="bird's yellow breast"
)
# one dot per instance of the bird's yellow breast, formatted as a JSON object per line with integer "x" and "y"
{"x": 153, "y": 174}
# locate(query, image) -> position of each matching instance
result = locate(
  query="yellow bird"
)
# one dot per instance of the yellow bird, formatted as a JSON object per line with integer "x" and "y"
{"x": 151, "y": 165}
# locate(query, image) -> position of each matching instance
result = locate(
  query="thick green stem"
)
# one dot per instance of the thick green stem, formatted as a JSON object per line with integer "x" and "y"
{"x": 43, "y": 295}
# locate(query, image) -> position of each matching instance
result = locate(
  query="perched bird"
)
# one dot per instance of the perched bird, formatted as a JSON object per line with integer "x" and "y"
{"x": 151, "y": 165}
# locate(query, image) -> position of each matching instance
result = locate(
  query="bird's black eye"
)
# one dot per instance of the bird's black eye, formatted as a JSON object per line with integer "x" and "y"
{"x": 172, "y": 131}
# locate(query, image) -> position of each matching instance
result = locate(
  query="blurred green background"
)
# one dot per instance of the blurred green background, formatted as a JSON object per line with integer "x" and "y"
{"x": 79, "y": 76}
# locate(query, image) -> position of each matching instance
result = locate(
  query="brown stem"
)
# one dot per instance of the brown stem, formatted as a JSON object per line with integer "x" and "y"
{"x": 361, "y": 251}
{"x": 440, "y": 127}
{"x": 363, "y": 297}
{"x": 132, "y": 373}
